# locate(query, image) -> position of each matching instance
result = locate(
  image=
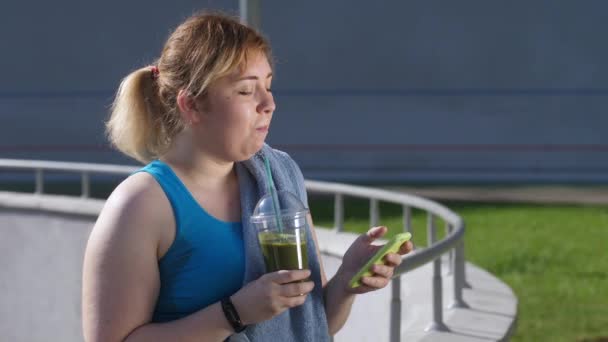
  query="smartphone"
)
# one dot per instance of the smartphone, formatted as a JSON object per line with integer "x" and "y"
{"x": 391, "y": 247}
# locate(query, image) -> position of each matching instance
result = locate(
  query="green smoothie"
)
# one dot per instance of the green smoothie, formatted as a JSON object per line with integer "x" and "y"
{"x": 281, "y": 252}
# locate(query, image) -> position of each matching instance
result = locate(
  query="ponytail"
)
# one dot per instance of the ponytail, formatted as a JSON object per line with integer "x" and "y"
{"x": 137, "y": 125}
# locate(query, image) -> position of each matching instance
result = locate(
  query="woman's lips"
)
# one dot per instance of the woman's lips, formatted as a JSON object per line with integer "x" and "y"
{"x": 262, "y": 129}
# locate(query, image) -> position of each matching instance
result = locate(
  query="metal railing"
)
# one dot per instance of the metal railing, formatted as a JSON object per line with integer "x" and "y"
{"x": 452, "y": 243}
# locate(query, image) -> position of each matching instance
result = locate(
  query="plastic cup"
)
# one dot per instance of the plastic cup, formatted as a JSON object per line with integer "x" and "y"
{"x": 282, "y": 231}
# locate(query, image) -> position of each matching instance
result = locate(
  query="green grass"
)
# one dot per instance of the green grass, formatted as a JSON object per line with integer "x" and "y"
{"x": 554, "y": 257}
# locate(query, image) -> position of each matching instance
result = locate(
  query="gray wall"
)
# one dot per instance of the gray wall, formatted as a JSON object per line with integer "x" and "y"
{"x": 41, "y": 281}
{"x": 418, "y": 91}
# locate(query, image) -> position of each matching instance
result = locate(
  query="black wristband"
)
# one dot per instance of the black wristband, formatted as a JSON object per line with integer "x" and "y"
{"x": 231, "y": 315}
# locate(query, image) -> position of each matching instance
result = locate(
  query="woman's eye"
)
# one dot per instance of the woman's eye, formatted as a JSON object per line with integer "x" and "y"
{"x": 244, "y": 92}
{"x": 269, "y": 90}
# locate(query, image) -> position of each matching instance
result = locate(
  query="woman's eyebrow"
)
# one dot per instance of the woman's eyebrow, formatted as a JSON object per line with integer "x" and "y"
{"x": 252, "y": 77}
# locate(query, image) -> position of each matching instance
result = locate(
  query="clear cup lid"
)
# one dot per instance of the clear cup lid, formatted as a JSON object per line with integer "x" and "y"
{"x": 289, "y": 207}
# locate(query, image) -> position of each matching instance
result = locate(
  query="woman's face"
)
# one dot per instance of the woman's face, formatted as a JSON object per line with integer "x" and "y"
{"x": 236, "y": 112}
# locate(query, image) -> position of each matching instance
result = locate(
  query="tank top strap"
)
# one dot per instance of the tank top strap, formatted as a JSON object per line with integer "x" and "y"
{"x": 178, "y": 195}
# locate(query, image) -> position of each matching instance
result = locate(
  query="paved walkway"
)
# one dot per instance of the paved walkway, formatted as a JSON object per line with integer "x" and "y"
{"x": 586, "y": 195}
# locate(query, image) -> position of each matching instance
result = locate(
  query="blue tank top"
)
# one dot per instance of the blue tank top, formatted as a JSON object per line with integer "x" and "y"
{"x": 205, "y": 262}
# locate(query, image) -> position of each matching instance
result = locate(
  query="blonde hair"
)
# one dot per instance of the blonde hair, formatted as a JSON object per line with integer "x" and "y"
{"x": 207, "y": 46}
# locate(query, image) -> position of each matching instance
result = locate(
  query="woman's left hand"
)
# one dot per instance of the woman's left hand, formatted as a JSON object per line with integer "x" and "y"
{"x": 360, "y": 252}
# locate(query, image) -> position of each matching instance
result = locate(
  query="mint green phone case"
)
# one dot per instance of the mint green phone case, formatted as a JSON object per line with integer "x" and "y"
{"x": 391, "y": 247}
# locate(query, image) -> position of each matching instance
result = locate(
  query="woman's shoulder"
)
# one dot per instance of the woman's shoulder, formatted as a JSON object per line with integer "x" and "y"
{"x": 138, "y": 191}
{"x": 137, "y": 206}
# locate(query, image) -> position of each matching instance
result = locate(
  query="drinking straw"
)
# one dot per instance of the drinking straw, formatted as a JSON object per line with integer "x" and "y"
{"x": 273, "y": 194}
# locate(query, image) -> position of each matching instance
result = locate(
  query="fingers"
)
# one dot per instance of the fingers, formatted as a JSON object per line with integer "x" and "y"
{"x": 375, "y": 233}
{"x": 295, "y": 301}
{"x": 383, "y": 270}
{"x": 296, "y": 289}
{"x": 295, "y": 293}
{"x": 284, "y": 277}
{"x": 393, "y": 259}
{"x": 382, "y": 275}
{"x": 406, "y": 247}
{"x": 375, "y": 282}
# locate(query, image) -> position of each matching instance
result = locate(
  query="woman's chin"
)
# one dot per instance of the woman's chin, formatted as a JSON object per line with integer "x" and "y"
{"x": 250, "y": 151}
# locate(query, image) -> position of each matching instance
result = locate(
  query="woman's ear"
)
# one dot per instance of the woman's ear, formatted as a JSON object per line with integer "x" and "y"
{"x": 188, "y": 107}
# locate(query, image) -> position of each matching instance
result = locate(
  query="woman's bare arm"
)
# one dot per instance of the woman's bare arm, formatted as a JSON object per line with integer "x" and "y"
{"x": 121, "y": 277}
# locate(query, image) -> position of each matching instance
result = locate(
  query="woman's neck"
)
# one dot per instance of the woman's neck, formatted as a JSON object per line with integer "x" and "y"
{"x": 202, "y": 168}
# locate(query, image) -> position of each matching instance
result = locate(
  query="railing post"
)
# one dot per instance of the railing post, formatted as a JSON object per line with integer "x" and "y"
{"x": 407, "y": 218}
{"x": 437, "y": 324}
{"x": 85, "y": 184}
{"x": 462, "y": 262}
{"x": 374, "y": 212}
{"x": 339, "y": 212}
{"x": 395, "y": 332}
{"x": 448, "y": 231}
{"x": 459, "y": 276}
{"x": 39, "y": 181}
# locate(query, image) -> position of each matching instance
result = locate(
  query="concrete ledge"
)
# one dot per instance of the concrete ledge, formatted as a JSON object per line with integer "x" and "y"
{"x": 52, "y": 203}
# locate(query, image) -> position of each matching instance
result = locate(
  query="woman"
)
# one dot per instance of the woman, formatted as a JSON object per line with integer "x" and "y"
{"x": 171, "y": 257}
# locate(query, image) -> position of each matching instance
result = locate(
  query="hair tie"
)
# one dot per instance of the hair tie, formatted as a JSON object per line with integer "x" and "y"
{"x": 154, "y": 70}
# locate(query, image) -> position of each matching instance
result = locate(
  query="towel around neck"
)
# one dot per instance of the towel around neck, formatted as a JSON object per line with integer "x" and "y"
{"x": 307, "y": 322}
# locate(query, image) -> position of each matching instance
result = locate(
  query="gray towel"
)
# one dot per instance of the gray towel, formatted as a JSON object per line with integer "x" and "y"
{"x": 305, "y": 323}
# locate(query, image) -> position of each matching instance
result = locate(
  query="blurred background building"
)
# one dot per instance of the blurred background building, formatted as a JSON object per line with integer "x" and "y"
{"x": 366, "y": 91}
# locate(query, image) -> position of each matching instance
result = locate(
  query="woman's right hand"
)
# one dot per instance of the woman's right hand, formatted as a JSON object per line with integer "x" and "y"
{"x": 271, "y": 294}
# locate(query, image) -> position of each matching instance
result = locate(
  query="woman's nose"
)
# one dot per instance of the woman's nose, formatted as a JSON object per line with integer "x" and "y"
{"x": 267, "y": 105}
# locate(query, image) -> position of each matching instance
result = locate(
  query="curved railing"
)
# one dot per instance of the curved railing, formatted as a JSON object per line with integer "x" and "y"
{"x": 452, "y": 243}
